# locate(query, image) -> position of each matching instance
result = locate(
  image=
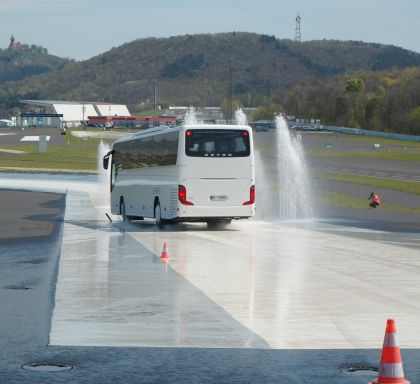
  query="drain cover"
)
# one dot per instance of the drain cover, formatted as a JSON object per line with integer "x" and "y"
{"x": 359, "y": 369}
{"x": 47, "y": 367}
{"x": 17, "y": 287}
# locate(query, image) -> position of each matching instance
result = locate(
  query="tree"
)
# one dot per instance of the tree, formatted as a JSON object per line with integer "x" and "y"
{"x": 372, "y": 111}
{"x": 414, "y": 118}
{"x": 225, "y": 107}
{"x": 267, "y": 112}
{"x": 342, "y": 110}
{"x": 354, "y": 88}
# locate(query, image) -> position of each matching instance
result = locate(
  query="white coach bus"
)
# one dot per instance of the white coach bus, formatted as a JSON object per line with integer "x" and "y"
{"x": 188, "y": 173}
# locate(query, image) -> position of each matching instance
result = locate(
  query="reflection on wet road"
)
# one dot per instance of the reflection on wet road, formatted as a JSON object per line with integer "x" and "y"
{"x": 253, "y": 285}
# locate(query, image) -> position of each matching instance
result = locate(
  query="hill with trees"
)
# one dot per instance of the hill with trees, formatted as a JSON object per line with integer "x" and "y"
{"x": 28, "y": 61}
{"x": 384, "y": 101}
{"x": 199, "y": 70}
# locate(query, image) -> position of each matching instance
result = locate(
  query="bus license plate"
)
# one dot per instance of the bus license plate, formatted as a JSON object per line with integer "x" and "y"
{"x": 218, "y": 198}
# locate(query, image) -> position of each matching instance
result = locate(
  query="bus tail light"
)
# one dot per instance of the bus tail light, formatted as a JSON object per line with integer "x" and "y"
{"x": 251, "y": 196}
{"x": 182, "y": 195}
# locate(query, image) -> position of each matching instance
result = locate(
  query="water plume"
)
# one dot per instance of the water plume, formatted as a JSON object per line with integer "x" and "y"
{"x": 283, "y": 188}
{"x": 191, "y": 117}
{"x": 240, "y": 117}
{"x": 292, "y": 174}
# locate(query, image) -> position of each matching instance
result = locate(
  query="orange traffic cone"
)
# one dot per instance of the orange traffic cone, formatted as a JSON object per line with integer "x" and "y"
{"x": 390, "y": 367}
{"x": 165, "y": 254}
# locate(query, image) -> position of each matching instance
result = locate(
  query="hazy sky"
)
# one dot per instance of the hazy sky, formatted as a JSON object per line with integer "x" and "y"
{"x": 81, "y": 29}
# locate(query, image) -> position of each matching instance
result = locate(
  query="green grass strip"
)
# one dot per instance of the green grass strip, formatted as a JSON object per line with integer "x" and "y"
{"x": 382, "y": 141}
{"x": 77, "y": 155}
{"x": 374, "y": 154}
{"x": 343, "y": 200}
{"x": 393, "y": 184}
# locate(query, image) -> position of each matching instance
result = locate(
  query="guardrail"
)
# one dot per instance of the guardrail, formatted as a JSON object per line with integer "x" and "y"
{"x": 365, "y": 132}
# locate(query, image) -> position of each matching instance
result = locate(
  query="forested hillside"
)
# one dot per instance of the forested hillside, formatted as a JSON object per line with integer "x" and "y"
{"x": 16, "y": 65}
{"x": 197, "y": 69}
{"x": 387, "y": 101}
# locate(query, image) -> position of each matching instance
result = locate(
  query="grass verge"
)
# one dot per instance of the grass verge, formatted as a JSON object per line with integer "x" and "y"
{"x": 393, "y": 184}
{"x": 382, "y": 140}
{"x": 76, "y": 154}
{"x": 374, "y": 154}
{"x": 343, "y": 200}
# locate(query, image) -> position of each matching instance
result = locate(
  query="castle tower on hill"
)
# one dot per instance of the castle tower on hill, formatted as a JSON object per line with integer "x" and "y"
{"x": 16, "y": 45}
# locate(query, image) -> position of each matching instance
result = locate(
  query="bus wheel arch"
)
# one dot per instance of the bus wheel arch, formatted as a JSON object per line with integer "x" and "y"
{"x": 158, "y": 213}
{"x": 122, "y": 209}
{"x": 155, "y": 203}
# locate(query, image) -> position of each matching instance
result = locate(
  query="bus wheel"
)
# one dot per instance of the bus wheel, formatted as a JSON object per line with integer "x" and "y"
{"x": 158, "y": 216}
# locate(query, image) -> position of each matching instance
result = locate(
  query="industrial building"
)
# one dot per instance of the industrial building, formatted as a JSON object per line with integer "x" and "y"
{"x": 66, "y": 114}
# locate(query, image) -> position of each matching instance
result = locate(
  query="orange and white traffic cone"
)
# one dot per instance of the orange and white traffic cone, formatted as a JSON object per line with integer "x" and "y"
{"x": 165, "y": 254}
{"x": 390, "y": 367}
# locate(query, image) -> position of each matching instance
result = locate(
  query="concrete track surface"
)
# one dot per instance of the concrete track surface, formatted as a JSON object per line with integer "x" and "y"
{"x": 255, "y": 302}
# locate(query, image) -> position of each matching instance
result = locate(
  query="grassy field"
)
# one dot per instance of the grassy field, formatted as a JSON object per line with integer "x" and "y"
{"x": 393, "y": 184}
{"x": 339, "y": 199}
{"x": 76, "y": 154}
{"x": 382, "y": 141}
{"x": 373, "y": 154}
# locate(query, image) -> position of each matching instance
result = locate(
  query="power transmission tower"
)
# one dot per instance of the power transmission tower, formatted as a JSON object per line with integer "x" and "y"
{"x": 155, "y": 94}
{"x": 297, "y": 29}
{"x": 230, "y": 93}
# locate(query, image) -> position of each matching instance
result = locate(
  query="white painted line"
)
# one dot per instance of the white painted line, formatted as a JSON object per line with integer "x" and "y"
{"x": 32, "y": 138}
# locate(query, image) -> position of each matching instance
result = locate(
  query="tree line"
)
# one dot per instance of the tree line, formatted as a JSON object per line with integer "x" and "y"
{"x": 384, "y": 101}
{"x": 198, "y": 70}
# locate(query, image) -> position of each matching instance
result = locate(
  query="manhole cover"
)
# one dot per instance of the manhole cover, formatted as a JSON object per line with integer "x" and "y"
{"x": 47, "y": 367}
{"x": 359, "y": 369}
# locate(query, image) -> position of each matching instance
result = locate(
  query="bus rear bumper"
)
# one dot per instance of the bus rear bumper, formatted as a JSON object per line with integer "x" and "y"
{"x": 192, "y": 213}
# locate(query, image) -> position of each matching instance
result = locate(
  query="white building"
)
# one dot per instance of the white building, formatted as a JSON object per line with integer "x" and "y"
{"x": 74, "y": 113}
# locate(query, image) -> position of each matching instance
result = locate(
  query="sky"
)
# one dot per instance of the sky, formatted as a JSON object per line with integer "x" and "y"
{"x": 81, "y": 29}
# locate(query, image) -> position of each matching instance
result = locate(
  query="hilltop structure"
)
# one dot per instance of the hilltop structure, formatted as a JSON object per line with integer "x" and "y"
{"x": 16, "y": 45}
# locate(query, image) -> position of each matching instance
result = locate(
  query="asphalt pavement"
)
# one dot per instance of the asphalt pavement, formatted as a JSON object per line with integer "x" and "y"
{"x": 28, "y": 270}
{"x": 30, "y": 243}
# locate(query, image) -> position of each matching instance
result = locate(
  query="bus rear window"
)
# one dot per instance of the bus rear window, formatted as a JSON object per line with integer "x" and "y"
{"x": 217, "y": 143}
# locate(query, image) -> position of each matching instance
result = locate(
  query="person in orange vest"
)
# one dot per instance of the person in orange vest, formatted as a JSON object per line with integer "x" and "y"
{"x": 374, "y": 199}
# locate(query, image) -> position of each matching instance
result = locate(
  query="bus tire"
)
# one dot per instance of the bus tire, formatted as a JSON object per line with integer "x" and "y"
{"x": 158, "y": 215}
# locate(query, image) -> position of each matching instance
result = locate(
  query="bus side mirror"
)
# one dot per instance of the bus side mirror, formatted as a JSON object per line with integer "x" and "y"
{"x": 105, "y": 161}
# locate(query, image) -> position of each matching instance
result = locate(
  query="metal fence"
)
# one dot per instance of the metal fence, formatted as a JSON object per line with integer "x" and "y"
{"x": 365, "y": 132}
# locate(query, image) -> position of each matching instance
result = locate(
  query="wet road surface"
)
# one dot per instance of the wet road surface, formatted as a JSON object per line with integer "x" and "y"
{"x": 256, "y": 303}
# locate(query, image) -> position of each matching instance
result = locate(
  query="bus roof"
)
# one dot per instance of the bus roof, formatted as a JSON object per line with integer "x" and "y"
{"x": 165, "y": 128}
{"x": 215, "y": 126}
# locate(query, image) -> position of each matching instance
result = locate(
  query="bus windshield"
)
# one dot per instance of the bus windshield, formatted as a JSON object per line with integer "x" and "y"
{"x": 217, "y": 143}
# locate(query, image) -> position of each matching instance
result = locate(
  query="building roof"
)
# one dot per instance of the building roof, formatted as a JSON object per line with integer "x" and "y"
{"x": 78, "y": 110}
